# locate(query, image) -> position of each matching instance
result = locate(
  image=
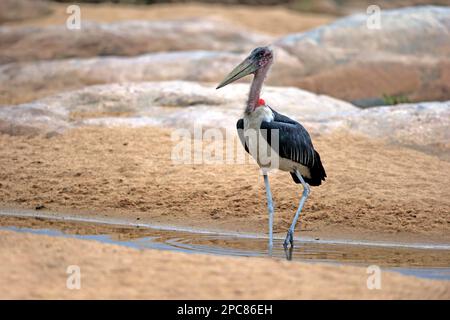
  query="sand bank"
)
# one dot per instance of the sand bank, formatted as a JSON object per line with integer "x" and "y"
{"x": 37, "y": 267}
{"x": 374, "y": 190}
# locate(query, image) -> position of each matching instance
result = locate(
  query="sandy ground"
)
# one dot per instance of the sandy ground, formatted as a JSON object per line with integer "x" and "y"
{"x": 373, "y": 191}
{"x": 36, "y": 268}
{"x": 268, "y": 19}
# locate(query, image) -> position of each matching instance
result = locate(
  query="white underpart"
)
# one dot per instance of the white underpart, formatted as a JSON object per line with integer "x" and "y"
{"x": 253, "y": 121}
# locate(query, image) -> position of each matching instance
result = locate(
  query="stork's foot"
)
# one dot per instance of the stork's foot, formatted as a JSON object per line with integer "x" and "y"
{"x": 288, "y": 253}
{"x": 289, "y": 239}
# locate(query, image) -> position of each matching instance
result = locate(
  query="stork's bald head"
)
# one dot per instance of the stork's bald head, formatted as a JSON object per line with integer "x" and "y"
{"x": 259, "y": 58}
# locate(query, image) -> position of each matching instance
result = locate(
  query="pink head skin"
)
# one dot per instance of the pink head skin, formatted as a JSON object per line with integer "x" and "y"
{"x": 257, "y": 63}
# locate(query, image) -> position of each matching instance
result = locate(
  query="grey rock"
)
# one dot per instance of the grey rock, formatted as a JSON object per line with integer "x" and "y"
{"x": 174, "y": 104}
{"x": 41, "y": 78}
{"x": 424, "y": 124}
{"x": 409, "y": 55}
{"x": 190, "y": 105}
{"x": 124, "y": 38}
{"x": 15, "y": 10}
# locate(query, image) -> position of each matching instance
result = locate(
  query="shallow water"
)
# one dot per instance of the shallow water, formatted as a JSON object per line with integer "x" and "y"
{"x": 420, "y": 261}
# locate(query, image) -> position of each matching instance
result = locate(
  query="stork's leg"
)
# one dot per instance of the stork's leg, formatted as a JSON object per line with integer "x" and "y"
{"x": 306, "y": 190}
{"x": 288, "y": 253}
{"x": 270, "y": 208}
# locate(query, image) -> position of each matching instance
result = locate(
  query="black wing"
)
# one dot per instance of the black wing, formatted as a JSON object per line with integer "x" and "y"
{"x": 278, "y": 117}
{"x": 240, "y": 129}
{"x": 294, "y": 144}
{"x": 294, "y": 141}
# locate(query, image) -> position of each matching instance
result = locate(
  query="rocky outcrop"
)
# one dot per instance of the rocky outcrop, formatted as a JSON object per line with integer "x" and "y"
{"x": 188, "y": 105}
{"x": 124, "y": 38}
{"x": 423, "y": 125}
{"x": 44, "y": 78}
{"x": 408, "y": 59}
{"x": 409, "y": 55}
{"x": 346, "y": 7}
{"x": 14, "y": 10}
{"x": 174, "y": 104}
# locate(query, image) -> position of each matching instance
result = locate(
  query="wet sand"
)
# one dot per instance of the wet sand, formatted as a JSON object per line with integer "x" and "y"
{"x": 37, "y": 267}
{"x": 373, "y": 191}
{"x": 420, "y": 259}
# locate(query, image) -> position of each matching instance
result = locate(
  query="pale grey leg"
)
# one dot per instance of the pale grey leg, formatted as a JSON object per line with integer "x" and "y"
{"x": 306, "y": 191}
{"x": 270, "y": 208}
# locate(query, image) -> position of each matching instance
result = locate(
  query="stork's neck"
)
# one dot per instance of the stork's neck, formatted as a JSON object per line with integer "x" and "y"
{"x": 255, "y": 89}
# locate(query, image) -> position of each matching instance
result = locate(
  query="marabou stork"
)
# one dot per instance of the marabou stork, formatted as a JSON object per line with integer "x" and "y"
{"x": 295, "y": 149}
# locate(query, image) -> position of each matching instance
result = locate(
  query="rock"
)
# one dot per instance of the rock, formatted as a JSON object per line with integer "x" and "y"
{"x": 422, "y": 125}
{"x": 124, "y": 38}
{"x": 409, "y": 55}
{"x": 190, "y": 105}
{"x": 175, "y": 104}
{"x": 346, "y": 7}
{"x": 43, "y": 78}
{"x": 14, "y": 10}
{"x": 32, "y": 119}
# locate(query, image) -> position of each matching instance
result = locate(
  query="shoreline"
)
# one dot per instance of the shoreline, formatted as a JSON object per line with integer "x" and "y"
{"x": 381, "y": 192}
{"x": 114, "y": 272}
{"x": 405, "y": 240}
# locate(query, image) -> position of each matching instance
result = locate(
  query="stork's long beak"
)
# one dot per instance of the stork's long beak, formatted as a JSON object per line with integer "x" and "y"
{"x": 246, "y": 67}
